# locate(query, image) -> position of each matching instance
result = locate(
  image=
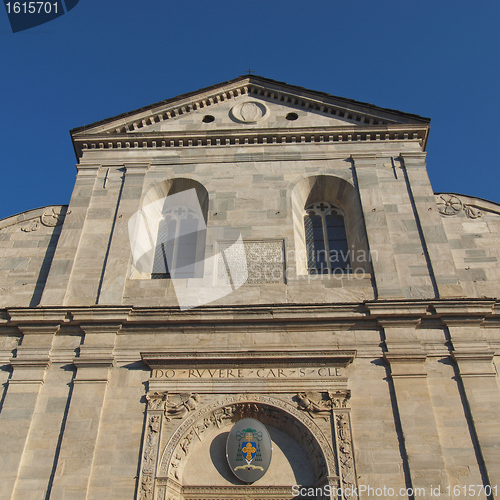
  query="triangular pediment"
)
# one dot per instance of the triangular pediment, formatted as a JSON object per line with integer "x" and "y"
{"x": 250, "y": 102}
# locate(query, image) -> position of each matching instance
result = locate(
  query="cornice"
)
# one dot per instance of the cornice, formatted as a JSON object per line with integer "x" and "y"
{"x": 168, "y": 141}
{"x": 349, "y": 315}
{"x": 274, "y": 357}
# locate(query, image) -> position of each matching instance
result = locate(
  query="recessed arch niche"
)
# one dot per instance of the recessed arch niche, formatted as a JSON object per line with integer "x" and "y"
{"x": 144, "y": 225}
{"x": 169, "y": 187}
{"x": 342, "y": 194}
{"x": 193, "y": 463}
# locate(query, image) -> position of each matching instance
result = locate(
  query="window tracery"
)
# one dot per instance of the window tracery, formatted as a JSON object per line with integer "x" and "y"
{"x": 326, "y": 239}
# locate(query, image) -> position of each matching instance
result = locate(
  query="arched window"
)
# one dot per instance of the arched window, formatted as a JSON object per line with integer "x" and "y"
{"x": 180, "y": 241}
{"x": 326, "y": 239}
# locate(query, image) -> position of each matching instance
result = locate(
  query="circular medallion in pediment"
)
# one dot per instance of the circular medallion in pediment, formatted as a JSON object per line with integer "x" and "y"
{"x": 249, "y": 112}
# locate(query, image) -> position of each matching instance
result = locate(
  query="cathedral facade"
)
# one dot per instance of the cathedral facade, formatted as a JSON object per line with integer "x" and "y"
{"x": 254, "y": 293}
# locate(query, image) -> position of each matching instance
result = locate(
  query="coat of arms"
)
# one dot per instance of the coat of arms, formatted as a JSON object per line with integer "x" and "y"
{"x": 249, "y": 449}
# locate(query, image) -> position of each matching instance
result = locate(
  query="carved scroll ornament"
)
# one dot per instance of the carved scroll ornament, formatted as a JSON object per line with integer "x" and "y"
{"x": 173, "y": 405}
{"x": 49, "y": 219}
{"x": 323, "y": 406}
{"x": 450, "y": 204}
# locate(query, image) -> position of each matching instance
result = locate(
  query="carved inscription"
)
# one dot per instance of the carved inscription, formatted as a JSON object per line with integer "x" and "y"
{"x": 235, "y": 373}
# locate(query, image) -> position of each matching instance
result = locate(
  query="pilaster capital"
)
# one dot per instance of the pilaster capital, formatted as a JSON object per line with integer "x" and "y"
{"x": 39, "y": 328}
{"x": 101, "y": 315}
{"x": 402, "y": 309}
{"x": 475, "y": 364}
{"x": 136, "y": 167}
{"x": 29, "y": 370}
{"x": 93, "y": 369}
{"x": 413, "y": 158}
{"x": 27, "y": 316}
{"x": 399, "y": 322}
{"x": 407, "y": 364}
{"x": 87, "y": 170}
{"x": 101, "y": 328}
{"x": 363, "y": 159}
{"x": 458, "y": 310}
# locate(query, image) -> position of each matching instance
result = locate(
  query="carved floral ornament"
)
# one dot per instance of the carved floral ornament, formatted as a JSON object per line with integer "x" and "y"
{"x": 274, "y": 411}
{"x": 450, "y": 204}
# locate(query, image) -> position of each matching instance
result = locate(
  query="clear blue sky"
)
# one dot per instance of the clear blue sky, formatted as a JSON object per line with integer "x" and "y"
{"x": 438, "y": 59}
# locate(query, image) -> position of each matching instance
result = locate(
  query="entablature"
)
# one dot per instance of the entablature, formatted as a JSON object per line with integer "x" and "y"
{"x": 368, "y": 314}
{"x": 213, "y": 139}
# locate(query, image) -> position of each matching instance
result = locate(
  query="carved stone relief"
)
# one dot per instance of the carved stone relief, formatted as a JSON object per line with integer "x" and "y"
{"x": 52, "y": 218}
{"x": 264, "y": 262}
{"x": 323, "y": 404}
{"x": 249, "y": 112}
{"x": 345, "y": 454}
{"x": 173, "y": 405}
{"x": 449, "y": 205}
{"x": 158, "y": 477}
{"x": 267, "y": 409}
{"x": 32, "y": 225}
{"x": 149, "y": 456}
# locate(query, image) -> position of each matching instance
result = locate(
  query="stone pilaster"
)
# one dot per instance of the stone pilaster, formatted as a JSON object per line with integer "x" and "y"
{"x": 407, "y": 362}
{"x": 9, "y": 339}
{"x": 341, "y": 416}
{"x": 41, "y": 450}
{"x": 96, "y": 235}
{"x": 154, "y": 420}
{"x": 434, "y": 239}
{"x": 21, "y": 400}
{"x": 118, "y": 259}
{"x": 69, "y": 240}
{"x": 74, "y": 468}
{"x": 377, "y": 230}
{"x": 474, "y": 357}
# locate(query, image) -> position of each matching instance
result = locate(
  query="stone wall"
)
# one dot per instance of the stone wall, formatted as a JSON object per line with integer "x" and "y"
{"x": 473, "y": 229}
{"x": 27, "y": 245}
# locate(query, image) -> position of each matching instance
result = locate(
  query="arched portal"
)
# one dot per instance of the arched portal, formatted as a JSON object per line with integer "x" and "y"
{"x": 193, "y": 463}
